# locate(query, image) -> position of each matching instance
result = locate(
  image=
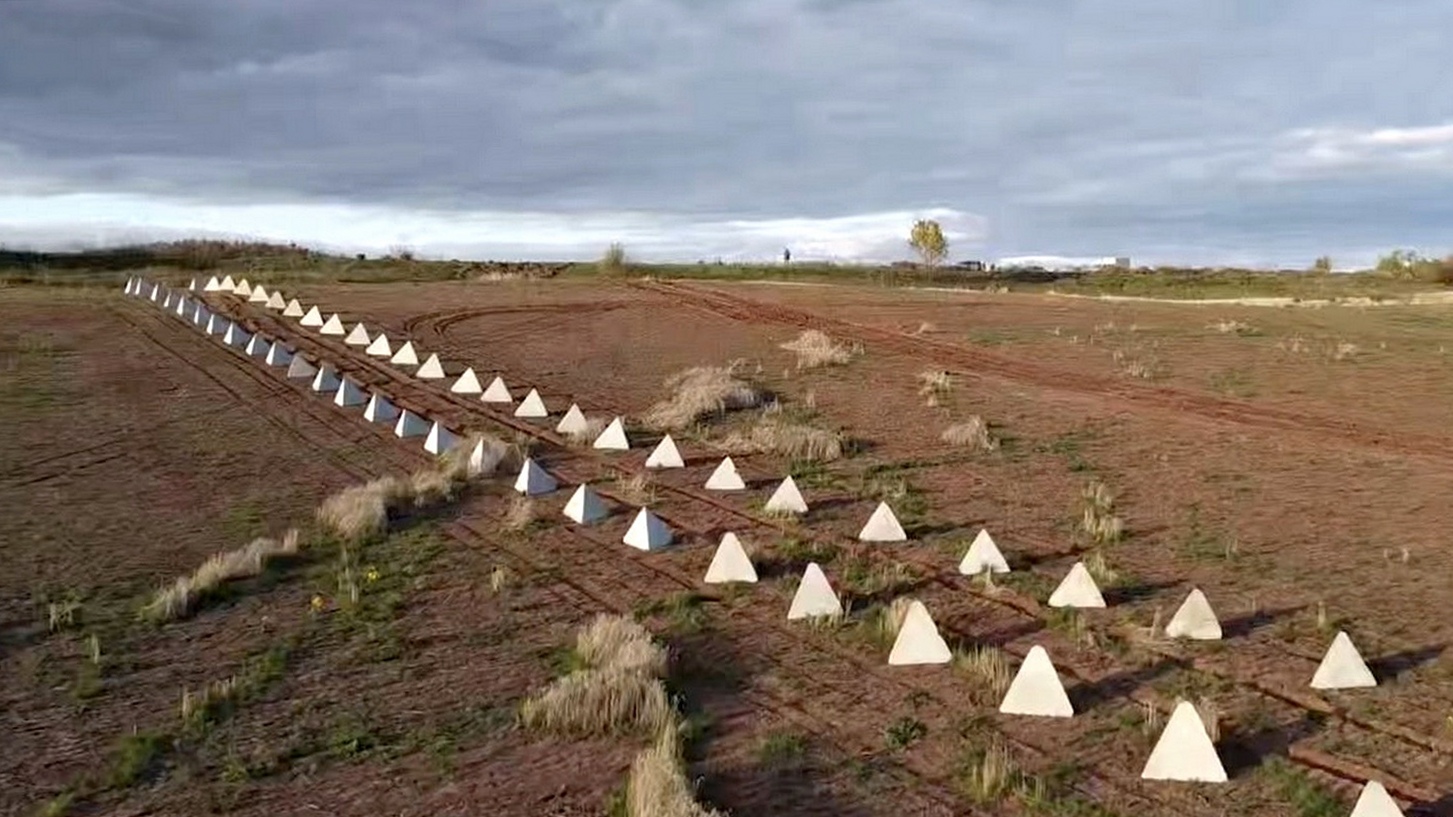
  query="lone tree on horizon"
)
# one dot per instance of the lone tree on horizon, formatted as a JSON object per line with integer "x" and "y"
{"x": 927, "y": 240}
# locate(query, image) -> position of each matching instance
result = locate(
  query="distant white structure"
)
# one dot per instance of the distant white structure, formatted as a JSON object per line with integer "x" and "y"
{"x": 730, "y": 563}
{"x": 613, "y": 438}
{"x": 1062, "y": 263}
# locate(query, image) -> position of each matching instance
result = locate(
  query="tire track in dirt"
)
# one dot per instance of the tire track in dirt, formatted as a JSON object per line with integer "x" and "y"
{"x": 1132, "y": 396}
{"x": 459, "y": 406}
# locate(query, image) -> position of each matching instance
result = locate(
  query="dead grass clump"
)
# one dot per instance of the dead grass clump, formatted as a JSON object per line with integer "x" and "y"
{"x": 586, "y": 436}
{"x": 658, "y": 786}
{"x": 988, "y": 667}
{"x": 973, "y": 433}
{"x": 815, "y": 348}
{"x": 776, "y": 434}
{"x": 616, "y": 642}
{"x": 890, "y": 619}
{"x": 520, "y": 514}
{"x": 1099, "y": 522}
{"x": 935, "y": 387}
{"x": 181, "y": 597}
{"x": 617, "y": 691}
{"x": 989, "y": 778}
{"x": 639, "y": 490}
{"x": 700, "y": 392}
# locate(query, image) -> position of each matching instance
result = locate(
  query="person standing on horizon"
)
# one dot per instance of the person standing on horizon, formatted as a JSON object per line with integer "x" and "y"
{"x": 786, "y": 255}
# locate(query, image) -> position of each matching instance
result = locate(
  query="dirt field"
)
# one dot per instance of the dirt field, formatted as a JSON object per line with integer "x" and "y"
{"x": 1289, "y": 462}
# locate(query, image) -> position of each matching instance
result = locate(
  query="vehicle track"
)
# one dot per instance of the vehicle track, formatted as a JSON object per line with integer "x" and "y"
{"x": 1129, "y": 395}
{"x": 434, "y": 401}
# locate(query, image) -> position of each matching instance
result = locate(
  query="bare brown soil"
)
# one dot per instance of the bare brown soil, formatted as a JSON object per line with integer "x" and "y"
{"x": 1271, "y": 504}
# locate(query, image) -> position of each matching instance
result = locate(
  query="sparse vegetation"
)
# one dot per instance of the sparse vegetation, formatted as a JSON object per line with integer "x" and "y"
{"x": 777, "y": 434}
{"x": 814, "y": 348}
{"x": 658, "y": 786}
{"x": 613, "y": 260}
{"x": 587, "y": 436}
{"x": 700, "y": 392}
{"x": 520, "y": 514}
{"x": 935, "y": 386}
{"x": 615, "y": 690}
{"x": 972, "y": 434}
{"x": 181, "y": 598}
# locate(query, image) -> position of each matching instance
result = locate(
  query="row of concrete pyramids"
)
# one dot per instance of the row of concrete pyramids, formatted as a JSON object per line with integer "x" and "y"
{"x": 1184, "y": 750}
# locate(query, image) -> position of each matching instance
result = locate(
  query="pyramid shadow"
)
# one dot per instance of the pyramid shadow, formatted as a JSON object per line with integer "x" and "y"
{"x": 925, "y": 529}
{"x": 885, "y": 595}
{"x": 958, "y": 638}
{"x": 830, "y": 503}
{"x": 792, "y": 785}
{"x": 762, "y": 482}
{"x": 1441, "y": 807}
{"x": 1085, "y": 697}
{"x": 1134, "y": 591}
{"x": 1242, "y": 753}
{"x": 1248, "y": 624}
{"x": 1389, "y": 667}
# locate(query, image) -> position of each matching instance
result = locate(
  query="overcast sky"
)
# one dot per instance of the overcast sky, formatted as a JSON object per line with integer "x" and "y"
{"x": 1201, "y": 131}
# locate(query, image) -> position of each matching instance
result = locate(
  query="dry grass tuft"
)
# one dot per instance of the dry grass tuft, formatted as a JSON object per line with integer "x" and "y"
{"x": 181, "y": 597}
{"x": 973, "y": 434}
{"x": 1099, "y": 522}
{"x": 639, "y": 490}
{"x": 890, "y": 619}
{"x": 658, "y": 786}
{"x": 935, "y": 387}
{"x": 615, "y": 642}
{"x": 618, "y": 691}
{"x": 990, "y": 778}
{"x": 815, "y": 348}
{"x": 701, "y": 392}
{"x": 988, "y": 667}
{"x": 520, "y": 514}
{"x": 586, "y": 436}
{"x": 779, "y": 435}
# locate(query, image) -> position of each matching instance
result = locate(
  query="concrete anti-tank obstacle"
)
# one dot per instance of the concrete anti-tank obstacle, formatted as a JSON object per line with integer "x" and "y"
{"x": 379, "y": 347}
{"x": 278, "y": 355}
{"x": 468, "y": 383}
{"x": 497, "y": 392}
{"x": 532, "y": 407}
{"x": 183, "y": 304}
{"x": 1078, "y": 589}
{"x": 258, "y": 296}
{"x": 983, "y": 555}
{"x": 432, "y": 369}
{"x": 918, "y": 641}
{"x": 814, "y": 597}
{"x": 725, "y": 477}
{"x": 1036, "y": 689}
{"x": 166, "y": 303}
{"x": 313, "y": 318}
{"x": 326, "y": 380}
{"x": 217, "y": 324}
{"x": 1184, "y": 750}
{"x": 212, "y": 285}
{"x": 332, "y": 326}
{"x": 1195, "y": 619}
{"x": 1342, "y": 667}
{"x": 405, "y": 356}
{"x": 380, "y": 410}
{"x": 1374, "y": 801}
{"x": 293, "y": 309}
{"x": 236, "y": 336}
{"x": 358, "y": 336}
{"x": 411, "y": 425}
{"x": 349, "y": 394}
{"x": 275, "y": 302}
{"x": 882, "y": 526}
{"x": 730, "y": 563}
{"x": 613, "y": 438}
{"x": 227, "y": 285}
{"x": 647, "y": 532}
{"x": 665, "y": 455}
{"x": 299, "y": 368}
{"x": 243, "y": 289}
{"x": 258, "y": 346}
{"x": 533, "y": 480}
{"x": 574, "y": 421}
{"x": 585, "y": 506}
{"x": 440, "y": 440}
{"x": 786, "y": 499}
{"x": 192, "y": 286}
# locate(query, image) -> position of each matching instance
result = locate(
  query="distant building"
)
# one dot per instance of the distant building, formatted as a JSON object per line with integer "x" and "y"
{"x": 971, "y": 266}
{"x": 1122, "y": 261}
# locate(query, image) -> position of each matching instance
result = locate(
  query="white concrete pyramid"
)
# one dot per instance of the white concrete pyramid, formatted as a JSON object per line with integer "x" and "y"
{"x": 882, "y": 526}
{"x": 532, "y": 406}
{"x": 183, "y": 304}
{"x": 814, "y": 596}
{"x": 192, "y": 287}
{"x": 497, "y": 392}
{"x": 326, "y": 380}
{"x": 312, "y": 318}
{"x": 1342, "y": 667}
{"x": 410, "y": 425}
{"x": 350, "y": 394}
{"x": 258, "y": 346}
{"x": 468, "y": 383}
{"x": 332, "y": 326}
{"x": 359, "y": 336}
{"x": 983, "y": 555}
{"x": 236, "y": 335}
{"x": 431, "y": 370}
{"x": 665, "y": 455}
{"x": 786, "y": 499}
{"x": 1195, "y": 619}
{"x": 1036, "y": 689}
{"x": 585, "y": 506}
{"x": 275, "y": 301}
{"x": 227, "y": 285}
{"x": 379, "y": 347}
{"x": 212, "y": 285}
{"x": 647, "y": 532}
{"x": 405, "y": 356}
{"x": 166, "y": 303}
{"x": 730, "y": 563}
{"x": 440, "y": 439}
{"x": 156, "y": 293}
{"x": 1184, "y": 751}
{"x": 258, "y": 296}
{"x": 725, "y": 477}
{"x": 380, "y": 410}
{"x": 573, "y": 422}
{"x": 293, "y": 309}
{"x": 918, "y": 640}
{"x": 299, "y": 368}
{"x": 1374, "y": 801}
{"x": 1077, "y": 590}
{"x": 533, "y": 480}
{"x": 242, "y": 288}
{"x": 278, "y": 355}
{"x": 613, "y": 438}
{"x": 126, "y": 289}
{"x": 201, "y": 316}
{"x": 216, "y": 324}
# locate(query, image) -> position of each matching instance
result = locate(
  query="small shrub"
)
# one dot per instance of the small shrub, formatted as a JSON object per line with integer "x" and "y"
{"x": 616, "y": 690}
{"x": 973, "y": 434}
{"x": 815, "y": 348}
{"x": 700, "y": 392}
{"x": 613, "y": 261}
{"x": 935, "y": 387}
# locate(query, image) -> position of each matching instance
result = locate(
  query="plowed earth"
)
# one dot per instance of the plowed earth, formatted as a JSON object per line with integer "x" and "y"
{"x": 1295, "y": 513}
